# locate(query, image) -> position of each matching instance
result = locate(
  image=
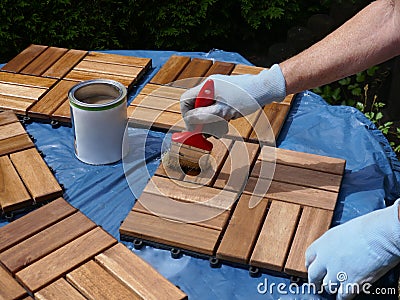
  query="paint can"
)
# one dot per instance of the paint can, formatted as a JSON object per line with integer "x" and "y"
{"x": 99, "y": 119}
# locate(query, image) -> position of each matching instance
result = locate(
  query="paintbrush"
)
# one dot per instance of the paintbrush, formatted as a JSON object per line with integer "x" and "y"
{"x": 189, "y": 146}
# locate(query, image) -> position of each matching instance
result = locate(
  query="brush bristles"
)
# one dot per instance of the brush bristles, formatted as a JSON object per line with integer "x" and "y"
{"x": 185, "y": 157}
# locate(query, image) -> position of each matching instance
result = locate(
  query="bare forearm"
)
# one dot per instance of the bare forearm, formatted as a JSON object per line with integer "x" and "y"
{"x": 369, "y": 38}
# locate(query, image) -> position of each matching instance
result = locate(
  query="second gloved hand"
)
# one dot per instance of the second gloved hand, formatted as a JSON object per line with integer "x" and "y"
{"x": 235, "y": 96}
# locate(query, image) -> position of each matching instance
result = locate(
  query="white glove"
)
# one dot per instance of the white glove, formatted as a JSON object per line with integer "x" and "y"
{"x": 356, "y": 253}
{"x": 235, "y": 96}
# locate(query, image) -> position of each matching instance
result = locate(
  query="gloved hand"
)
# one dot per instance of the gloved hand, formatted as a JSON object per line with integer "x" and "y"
{"x": 235, "y": 96}
{"x": 359, "y": 251}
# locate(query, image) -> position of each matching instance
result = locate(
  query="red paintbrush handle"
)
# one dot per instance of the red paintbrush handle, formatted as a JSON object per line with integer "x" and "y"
{"x": 206, "y": 95}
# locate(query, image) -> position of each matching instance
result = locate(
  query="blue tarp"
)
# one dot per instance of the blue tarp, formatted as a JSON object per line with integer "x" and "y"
{"x": 103, "y": 194}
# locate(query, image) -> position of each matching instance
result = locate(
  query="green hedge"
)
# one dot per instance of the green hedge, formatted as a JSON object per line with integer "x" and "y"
{"x": 146, "y": 24}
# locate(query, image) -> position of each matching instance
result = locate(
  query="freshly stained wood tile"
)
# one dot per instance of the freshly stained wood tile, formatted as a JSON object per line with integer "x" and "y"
{"x": 245, "y": 69}
{"x": 190, "y": 192}
{"x": 107, "y": 68}
{"x": 61, "y": 67}
{"x": 13, "y": 194}
{"x": 137, "y": 275}
{"x": 119, "y": 59}
{"x": 46, "y": 241}
{"x": 11, "y": 130}
{"x": 220, "y": 67}
{"x": 242, "y": 231}
{"x": 163, "y": 91}
{"x": 59, "y": 290}
{"x": 17, "y": 104}
{"x": 23, "y": 58}
{"x": 182, "y": 235}
{"x": 37, "y": 177}
{"x": 7, "y": 117}
{"x": 171, "y": 69}
{"x": 164, "y": 104}
{"x": 9, "y": 287}
{"x": 42, "y": 62}
{"x": 80, "y": 75}
{"x": 305, "y": 160}
{"x": 198, "y": 214}
{"x": 14, "y": 144}
{"x": 313, "y": 223}
{"x": 38, "y": 274}
{"x": 294, "y": 193}
{"x": 21, "y": 91}
{"x": 46, "y": 106}
{"x": 26, "y": 80}
{"x": 236, "y": 168}
{"x": 274, "y": 240}
{"x": 150, "y": 118}
{"x": 32, "y": 223}
{"x": 192, "y": 73}
{"x": 94, "y": 282}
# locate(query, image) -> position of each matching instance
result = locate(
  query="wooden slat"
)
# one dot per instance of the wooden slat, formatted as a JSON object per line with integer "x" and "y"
{"x": 13, "y": 194}
{"x": 10, "y": 130}
{"x": 34, "y": 222}
{"x": 313, "y": 223}
{"x": 46, "y": 106}
{"x": 137, "y": 274}
{"x": 38, "y": 274}
{"x": 59, "y": 290}
{"x": 78, "y": 75}
{"x": 16, "y": 143}
{"x": 169, "y": 172}
{"x": 182, "y": 235}
{"x": 276, "y": 235}
{"x": 288, "y": 99}
{"x": 22, "y": 91}
{"x": 37, "y": 177}
{"x": 152, "y": 118}
{"x": 242, "y": 231}
{"x": 245, "y": 69}
{"x": 163, "y": 91}
{"x": 62, "y": 113}
{"x": 42, "y": 62}
{"x": 190, "y": 192}
{"x": 242, "y": 127}
{"x": 236, "y": 168}
{"x": 9, "y": 287}
{"x": 220, "y": 67}
{"x": 7, "y": 117}
{"x": 23, "y": 58}
{"x": 94, "y": 282}
{"x": 304, "y": 160}
{"x": 159, "y": 103}
{"x": 217, "y": 158}
{"x": 168, "y": 208}
{"x": 171, "y": 69}
{"x": 61, "y": 67}
{"x": 191, "y": 75}
{"x": 119, "y": 59}
{"x": 46, "y": 241}
{"x": 107, "y": 68}
{"x": 17, "y": 104}
{"x": 299, "y": 176}
{"x": 293, "y": 193}
{"x": 28, "y": 80}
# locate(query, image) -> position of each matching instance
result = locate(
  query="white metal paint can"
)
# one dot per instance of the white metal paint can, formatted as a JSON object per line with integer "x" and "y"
{"x": 99, "y": 119}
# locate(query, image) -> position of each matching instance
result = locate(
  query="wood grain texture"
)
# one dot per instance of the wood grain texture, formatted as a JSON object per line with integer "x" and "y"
{"x": 137, "y": 274}
{"x": 119, "y": 59}
{"x": 27, "y": 80}
{"x": 220, "y": 67}
{"x": 64, "y": 259}
{"x": 96, "y": 283}
{"x": 192, "y": 74}
{"x": 21, "y": 91}
{"x": 14, "y": 144}
{"x": 46, "y": 241}
{"x": 38, "y": 179}
{"x": 171, "y": 69}
{"x": 7, "y": 117}
{"x": 46, "y": 106}
{"x": 242, "y": 231}
{"x": 313, "y": 223}
{"x": 11, "y": 130}
{"x": 163, "y": 91}
{"x": 16, "y": 104}
{"x": 242, "y": 127}
{"x": 169, "y": 172}
{"x": 152, "y": 118}
{"x": 24, "y": 58}
{"x": 245, "y": 69}
{"x": 304, "y": 160}
{"x": 80, "y": 75}
{"x": 62, "y": 66}
{"x": 62, "y": 113}
{"x": 59, "y": 290}
{"x": 43, "y": 61}
{"x": 9, "y": 287}
{"x": 159, "y": 103}
{"x": 107, "y": 68}
{"x": 13, "y": 194}
{"x": 34, "y": 222}
{"x": 182, "y": 235}
{"x": 274, "y": 240}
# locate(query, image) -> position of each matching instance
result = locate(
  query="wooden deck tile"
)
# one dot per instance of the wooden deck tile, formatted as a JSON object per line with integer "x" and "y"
{"x": 137, "y": 275}
{"x": 171, "y": 69}
{"x": 159, "y": 103}
{"x": 37, "y": 177}
{"x": 22, "y": 91}
{"x": 62, "y": 66}
{"x": 62, "y": 113}
{"x": 7, "y": 117}
{"x": 245, "y": 69}
{"x": 220, "y": 67}
{"x": 9, "y": 287}
{"x": 24, "y": 58}
{"x": 163, "y": 91}
{"x": 152, "y": 118}
{"x": 59, "y": 290}
{"x": 118, "y": 59}
{"x": 94, "y": 282}
{"x": 274, "y": 240}
{"x": 242, "y": 127}
{"x": 43, "y": 61}
{"x": 192, "y": 73}
{"x": 15, "y": 143}
{"x": 38, "y": 274}
{"x": 11, "y": 130}
{"x": 26, "y": 80}
{"x": 81, "y": 75}
{"x": 16, "y": 104}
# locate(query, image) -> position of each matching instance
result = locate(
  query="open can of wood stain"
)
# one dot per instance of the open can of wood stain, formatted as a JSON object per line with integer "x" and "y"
{"x": 99, "y": 119}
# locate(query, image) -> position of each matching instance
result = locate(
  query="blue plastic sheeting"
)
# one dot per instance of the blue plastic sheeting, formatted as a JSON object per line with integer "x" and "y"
{"x": 103, "y": 194}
